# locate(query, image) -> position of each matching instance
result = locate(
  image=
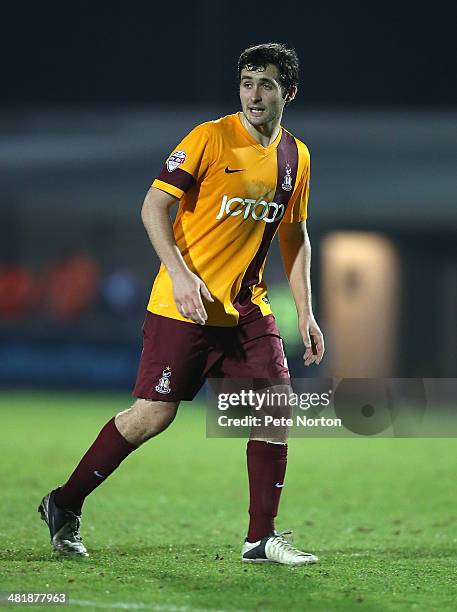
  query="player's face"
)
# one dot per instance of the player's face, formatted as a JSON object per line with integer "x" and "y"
{"x": 261, "y": 95}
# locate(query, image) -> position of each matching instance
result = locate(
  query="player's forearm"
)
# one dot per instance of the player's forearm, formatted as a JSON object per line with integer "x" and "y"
{"x": 300, "y": 280}
{"x": 296, "y": 255}
{"x": 158, "y": 225}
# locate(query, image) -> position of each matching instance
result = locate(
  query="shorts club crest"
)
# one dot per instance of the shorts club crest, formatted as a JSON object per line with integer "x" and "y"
{"x": 233, "y": 193}
{"x": 164, "y": 383}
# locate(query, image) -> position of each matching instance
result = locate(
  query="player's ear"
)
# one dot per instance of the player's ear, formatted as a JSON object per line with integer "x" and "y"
{"x": 290, "y": 95}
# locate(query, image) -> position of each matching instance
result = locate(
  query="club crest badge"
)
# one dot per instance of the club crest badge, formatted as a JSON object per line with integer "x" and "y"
{"x": 163, "y": 385}
{"x": 287, "y": 180}
{"x": 175, "y": 160}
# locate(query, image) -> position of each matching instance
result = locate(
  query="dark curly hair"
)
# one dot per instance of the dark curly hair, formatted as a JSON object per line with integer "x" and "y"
{"x": 286, "y": 61}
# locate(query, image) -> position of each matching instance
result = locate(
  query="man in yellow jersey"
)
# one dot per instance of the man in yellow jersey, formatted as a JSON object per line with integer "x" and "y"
{"x": 238, "y": 180}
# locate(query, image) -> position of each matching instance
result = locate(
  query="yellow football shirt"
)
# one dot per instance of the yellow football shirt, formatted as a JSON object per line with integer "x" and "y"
{"x": 233, "y": 195}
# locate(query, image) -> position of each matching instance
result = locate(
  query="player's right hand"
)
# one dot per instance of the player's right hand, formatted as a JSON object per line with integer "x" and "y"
{"x": 188, "y": 290}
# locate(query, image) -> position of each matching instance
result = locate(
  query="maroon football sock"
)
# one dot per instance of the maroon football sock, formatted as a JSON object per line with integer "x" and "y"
{"x": 266, "y": 470}
{"x": 102, "y": 458}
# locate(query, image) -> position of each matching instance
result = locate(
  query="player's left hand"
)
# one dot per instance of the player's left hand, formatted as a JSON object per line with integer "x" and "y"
{"x": 312, "y": 339}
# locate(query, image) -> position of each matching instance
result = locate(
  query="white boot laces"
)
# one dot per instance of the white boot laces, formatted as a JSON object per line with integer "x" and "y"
{"x": 70, "y": 531}
{"x": 283, "y": 547}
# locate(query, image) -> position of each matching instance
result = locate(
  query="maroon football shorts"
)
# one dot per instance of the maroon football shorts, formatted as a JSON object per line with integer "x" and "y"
{"x": 178, "y": 356}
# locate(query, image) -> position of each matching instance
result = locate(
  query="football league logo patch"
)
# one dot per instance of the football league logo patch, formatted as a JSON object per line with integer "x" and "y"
{"x": 175, "y": 160}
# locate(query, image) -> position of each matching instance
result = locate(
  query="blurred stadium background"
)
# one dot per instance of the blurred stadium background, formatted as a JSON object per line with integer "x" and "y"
{"x": 96, "y": 99}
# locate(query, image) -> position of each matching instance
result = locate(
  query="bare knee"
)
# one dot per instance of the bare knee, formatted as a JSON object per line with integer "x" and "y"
{"x": 274, "y": 415}
{"x": 145, "y": 419}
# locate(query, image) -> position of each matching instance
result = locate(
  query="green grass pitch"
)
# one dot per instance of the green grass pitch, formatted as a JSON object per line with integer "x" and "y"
{"x": 164, "y": 532}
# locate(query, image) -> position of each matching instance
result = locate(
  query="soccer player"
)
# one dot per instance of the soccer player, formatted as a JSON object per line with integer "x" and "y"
{"x": 238, "y": 180}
